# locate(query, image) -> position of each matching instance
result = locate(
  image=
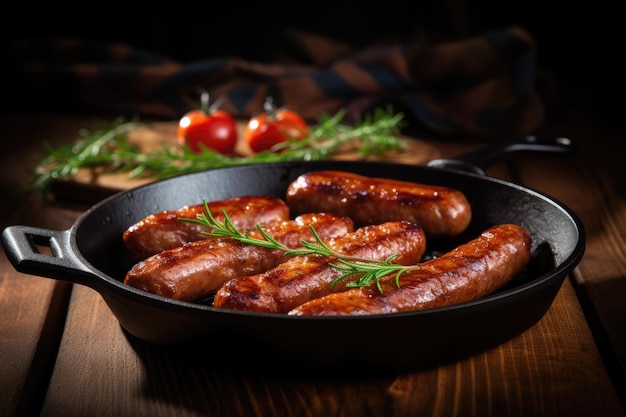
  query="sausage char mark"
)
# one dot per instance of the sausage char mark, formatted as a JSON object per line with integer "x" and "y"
{"x": 197, "y": 269}
{"x": 442, "y": 212}
{"x": 304, "y": 277}
{"x": 466, "y": 273}
{"x": 160, "y": 231}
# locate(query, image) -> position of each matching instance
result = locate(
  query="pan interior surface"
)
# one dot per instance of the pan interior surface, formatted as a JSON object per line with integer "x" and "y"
{"x": 99, "y": 231}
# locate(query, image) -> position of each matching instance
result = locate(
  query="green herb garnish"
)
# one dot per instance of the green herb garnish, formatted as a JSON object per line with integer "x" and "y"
{"x": 369, "y": 270}
{"x": 109, "y": 150}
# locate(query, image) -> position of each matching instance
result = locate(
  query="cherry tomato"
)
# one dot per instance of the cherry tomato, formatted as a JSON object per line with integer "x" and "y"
{"x": 273, "y": 126}
{"x": 209, "y": 126}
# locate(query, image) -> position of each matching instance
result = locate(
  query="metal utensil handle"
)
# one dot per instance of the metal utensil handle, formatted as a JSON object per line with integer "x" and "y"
{"x": 22, "y": 243}
{"x": 483, "y": 156}
{"x": 476, "y": 160}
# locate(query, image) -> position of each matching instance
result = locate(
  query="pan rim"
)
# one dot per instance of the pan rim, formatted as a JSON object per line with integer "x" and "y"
{"x": 107, "y": 282}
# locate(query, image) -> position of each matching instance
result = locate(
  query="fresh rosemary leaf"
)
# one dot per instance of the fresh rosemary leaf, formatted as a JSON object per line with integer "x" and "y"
{"x": 108, "y": 149}
{"x": 368, "y": 270}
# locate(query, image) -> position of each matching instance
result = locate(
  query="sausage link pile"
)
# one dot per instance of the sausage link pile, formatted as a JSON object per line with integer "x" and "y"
{"x": 355, "y": 215}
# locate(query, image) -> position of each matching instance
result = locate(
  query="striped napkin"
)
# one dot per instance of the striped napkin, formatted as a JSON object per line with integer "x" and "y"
{"x": 481, "y": 86}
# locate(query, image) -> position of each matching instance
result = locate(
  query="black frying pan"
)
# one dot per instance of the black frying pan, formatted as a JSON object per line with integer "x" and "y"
{"x": 91, "y": 253}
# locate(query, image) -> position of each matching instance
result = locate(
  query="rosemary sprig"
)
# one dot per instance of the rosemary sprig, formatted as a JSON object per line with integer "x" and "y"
{"x": 368, "y": 270}
{"x": 110, "y": 150}
{"x": 107, "y": 148}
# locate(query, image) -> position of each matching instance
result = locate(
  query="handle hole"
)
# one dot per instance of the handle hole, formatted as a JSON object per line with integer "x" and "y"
{"x": 44, "y": 250}
{"x": 41, "y": 245}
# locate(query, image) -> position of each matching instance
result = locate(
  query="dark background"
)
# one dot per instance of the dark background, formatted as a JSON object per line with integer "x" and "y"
{"x": 570, "y": 35}
{"x": 579, "y": 44}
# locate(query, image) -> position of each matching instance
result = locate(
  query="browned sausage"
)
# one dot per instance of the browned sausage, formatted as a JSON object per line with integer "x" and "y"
{"x": 466, "y": 273}
{"x": 197, "y": 269}
{"x": 302, "y": 278}
{"x": 161, "y": 231}
{"x": 441, "y": 211}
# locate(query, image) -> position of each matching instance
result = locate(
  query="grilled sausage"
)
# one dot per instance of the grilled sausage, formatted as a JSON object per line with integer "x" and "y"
{"x": 441, "y": 212}
{"x": 197, "y": 269}
{"x": 466, "y": 273}
{"x": 304, "y": 277}
{"x": 161, "y": 231}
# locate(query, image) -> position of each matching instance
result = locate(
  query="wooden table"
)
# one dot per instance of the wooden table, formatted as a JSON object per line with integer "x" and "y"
{"x": 63, "y": 353}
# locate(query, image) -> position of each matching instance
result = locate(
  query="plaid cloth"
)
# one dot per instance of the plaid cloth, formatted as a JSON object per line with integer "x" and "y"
{"x": 481, "y": 86}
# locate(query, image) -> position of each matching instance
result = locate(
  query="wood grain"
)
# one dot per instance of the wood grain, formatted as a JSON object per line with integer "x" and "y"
{"x": 32, "y": 308}
{"x": 533, "y": 374}
{"x": 586, "y": 186}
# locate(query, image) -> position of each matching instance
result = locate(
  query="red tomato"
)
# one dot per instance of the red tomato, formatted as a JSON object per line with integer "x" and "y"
{"x": 211, "y": 127}
{"x": 273, "y": 126}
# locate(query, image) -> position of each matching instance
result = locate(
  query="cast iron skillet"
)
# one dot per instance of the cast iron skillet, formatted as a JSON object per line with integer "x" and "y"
{"x": 91, "y": 253}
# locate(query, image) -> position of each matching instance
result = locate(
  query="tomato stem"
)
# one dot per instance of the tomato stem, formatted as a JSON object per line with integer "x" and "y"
{"x": 204, "y": 102}
{"x": 205, "y": 107}
{"x": 269, "y": 107}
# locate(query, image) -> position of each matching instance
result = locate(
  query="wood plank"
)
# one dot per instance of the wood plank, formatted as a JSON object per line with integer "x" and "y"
{"x": 593, "y": 184}
{"x": 24, "y": 304}
{"x": 600, "y": 278}
{"x": 32, "y": 308}
{"x": 101, "y": 372}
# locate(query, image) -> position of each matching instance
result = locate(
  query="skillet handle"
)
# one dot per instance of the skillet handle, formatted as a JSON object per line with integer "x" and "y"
{"x": 476, "y": 161}
{"x": 22, "y": 243}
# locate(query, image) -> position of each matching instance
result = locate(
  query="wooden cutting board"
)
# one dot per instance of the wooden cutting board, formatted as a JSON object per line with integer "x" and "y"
{"x": 92, "y": 185}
